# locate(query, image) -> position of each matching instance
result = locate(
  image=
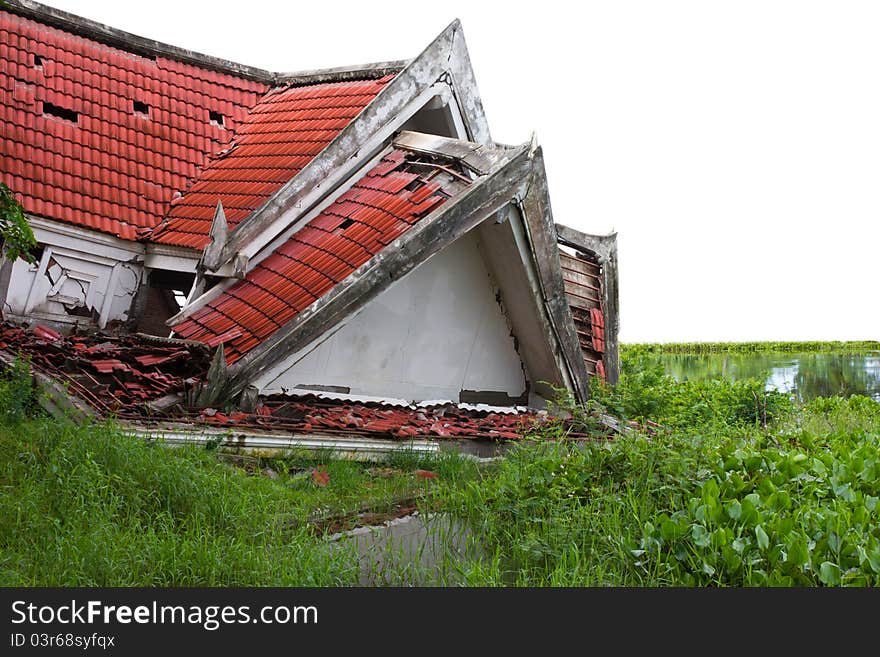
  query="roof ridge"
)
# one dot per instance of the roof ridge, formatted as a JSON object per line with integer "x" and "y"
{"x": 138, "y": 45}
{"x": 132, "y": 43}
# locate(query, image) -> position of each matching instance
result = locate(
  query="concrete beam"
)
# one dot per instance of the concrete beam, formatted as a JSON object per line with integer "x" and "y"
{"x": 266, "y": 444}
{"x": 536, "y": 209}
{"x": 342, "y": 73}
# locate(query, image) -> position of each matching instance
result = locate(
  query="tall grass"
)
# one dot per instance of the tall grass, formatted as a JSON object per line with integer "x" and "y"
{"x": 88, "y": 505}
{"x": 728, "y": 485}
{"x": 736, "y": 488}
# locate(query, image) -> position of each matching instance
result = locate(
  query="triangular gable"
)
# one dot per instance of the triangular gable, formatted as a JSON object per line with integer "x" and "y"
{"x": 438, "y": 333}
{"x": 442, "y": 71}
{"x": 319, "y": 277}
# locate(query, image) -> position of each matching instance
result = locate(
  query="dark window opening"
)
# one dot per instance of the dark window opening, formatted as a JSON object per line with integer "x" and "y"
{"x": 141, "y": 108}
{"x": 38, "y": 61}
{"x": 60, "y": 112}
{"x": 216, "y": 118}
{"x": 167, "y": 289}
{"x": 345, "y": 224}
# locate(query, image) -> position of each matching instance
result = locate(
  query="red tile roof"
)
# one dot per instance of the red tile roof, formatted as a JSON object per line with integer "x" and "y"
{"x": 127, "y": 377}
{"x": 376, "y": 210}
{"x": 279, "y": 137}
{"x": 115, "y": 169}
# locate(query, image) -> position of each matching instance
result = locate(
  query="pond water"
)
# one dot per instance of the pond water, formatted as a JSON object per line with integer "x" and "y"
{"x": 804, "y": 375}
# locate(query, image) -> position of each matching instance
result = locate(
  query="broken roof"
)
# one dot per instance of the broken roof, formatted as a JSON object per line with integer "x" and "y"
{"x": 284, "y": 149}
{"x": 394, "y": 195}
{"x": 142, "y": 379}
{"x": 116, "y": 133}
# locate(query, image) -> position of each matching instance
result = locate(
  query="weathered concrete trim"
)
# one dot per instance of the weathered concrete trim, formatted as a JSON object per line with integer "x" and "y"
{"x": 130, "y": 42}
{"x": 342, "y": 73}
{"x": 38, "y": 224}
{"x": 55, "y": 398}
{"x": 465, "y": 90}
{"x": 599, "y": 245}
{"x": 31, "y": 299}
{"x": 218, "y": 234}
{"x": 525, "y": 252}
{"x": 542, "y": 235}
{"x": 5, "y": 277}
{"x": 479, "y": 158}
{"x": 268, "y": 445}
{"x": 109, "y": 292}
{"x": 445, "y": 60}
{"x": 170, "y": 262}
{"x": 442, "y": 227}
{"x": 603, "y": 247}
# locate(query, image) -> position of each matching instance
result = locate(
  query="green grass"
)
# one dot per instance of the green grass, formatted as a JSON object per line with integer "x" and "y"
{"x": 736, "y": 487}
{"x": 91, "y": 506}
{"x": 725, "y": 484}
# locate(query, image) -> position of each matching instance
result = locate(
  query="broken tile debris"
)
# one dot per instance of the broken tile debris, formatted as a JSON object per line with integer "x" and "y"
{"x": 132, "y": 377}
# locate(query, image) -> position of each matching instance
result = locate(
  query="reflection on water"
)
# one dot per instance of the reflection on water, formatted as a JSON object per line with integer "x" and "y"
{"x": 804, "y": 375}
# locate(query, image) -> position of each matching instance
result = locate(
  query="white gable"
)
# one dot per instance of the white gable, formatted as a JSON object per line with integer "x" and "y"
{"x": 436, "y": 332}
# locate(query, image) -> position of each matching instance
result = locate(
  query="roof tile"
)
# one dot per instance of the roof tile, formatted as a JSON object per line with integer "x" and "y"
{"x": 279, "y": 136}
{"x": 314, "y": 259}
{"x": 131, "y": 164}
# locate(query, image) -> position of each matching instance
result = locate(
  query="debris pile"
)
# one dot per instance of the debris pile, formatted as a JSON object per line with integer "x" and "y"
{"x": 313, "y": 414}
{"x": 115, "y": 375}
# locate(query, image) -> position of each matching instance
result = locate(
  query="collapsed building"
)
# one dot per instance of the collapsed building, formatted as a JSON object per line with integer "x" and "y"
{"x": 330, "y": 257}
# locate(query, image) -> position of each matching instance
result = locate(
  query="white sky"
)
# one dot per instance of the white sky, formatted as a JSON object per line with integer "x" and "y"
{"x": 734, "y": 146}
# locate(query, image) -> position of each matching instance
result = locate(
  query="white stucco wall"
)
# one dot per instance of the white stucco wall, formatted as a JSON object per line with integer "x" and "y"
{"x": 437, "y": 331}
{"x": 79, "y": 269}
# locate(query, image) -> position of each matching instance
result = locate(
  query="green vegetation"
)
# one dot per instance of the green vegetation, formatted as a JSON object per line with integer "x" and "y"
{"x": 853, "y": 346}
{"x": 91, "y": 506}
{"x": 719, "y": 483}
{"x": 16, "y": 235}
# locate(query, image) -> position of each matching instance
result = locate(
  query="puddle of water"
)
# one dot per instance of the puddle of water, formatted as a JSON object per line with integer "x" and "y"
{"x": 414, "y": 550}
{"x": 803, "y": 375}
